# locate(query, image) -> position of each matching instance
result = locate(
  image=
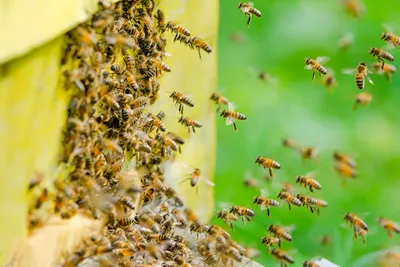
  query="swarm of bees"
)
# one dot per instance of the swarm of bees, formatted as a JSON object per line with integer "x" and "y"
{"x": 111, "y": 67}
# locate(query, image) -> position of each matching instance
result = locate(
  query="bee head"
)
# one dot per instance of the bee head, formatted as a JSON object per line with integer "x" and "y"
{"x": 258, "y": 159}
{"x": 241, "y": 4}
{"x": 298, "y": 179}
{"x": 363, "y": 64}
{"x": 255, "y": 199}
{"x": 385, "y": 36}
{"x": 372, "y": 50}
{"x": 308, "y": 61}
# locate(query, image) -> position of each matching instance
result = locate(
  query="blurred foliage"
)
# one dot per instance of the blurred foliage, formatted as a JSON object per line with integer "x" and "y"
{"x": 291, "y": 106}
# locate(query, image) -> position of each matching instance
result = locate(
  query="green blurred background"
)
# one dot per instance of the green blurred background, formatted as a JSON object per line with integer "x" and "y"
{"x": 291, "y": 106}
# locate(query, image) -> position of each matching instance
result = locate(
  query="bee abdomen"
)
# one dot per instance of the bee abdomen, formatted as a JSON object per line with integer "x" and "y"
{"x": 388, "y": 56}
{"x": 187, "y": 102}
{"x": 360, "y": 82}
{"x": 296, "y": 201}
{"x": 255, "y": 12}
{"x": 124, "y": 115}
{"x": 322, "y": 70}
{"x": 274, "y": 203}
{"x": 239, "y": 116}
{"x": 287, "y": 237}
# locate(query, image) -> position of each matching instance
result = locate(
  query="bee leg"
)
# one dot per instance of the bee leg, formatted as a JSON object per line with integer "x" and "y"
{"x": 311, "y": 209}
{"x": 383, "y": 62}
{"x": 189, "y": 129}
{"x": 179, "y": 149}
{"x": 268, "y": 212}
{"x": 248, "y": 19}
{"x": 313, "y": 76}
{"x": 234, "y": 126}
{"x": 193, "y": 129}
{"x": 198, "y": 49}
{"x": 317, "y": 211}
{"x": 248, "y": 218}
{"x": 290, "y": 208}
{"x": 271, "y": 173}
{"x": 311, "y": 189}
{"x": 243, "y": 221}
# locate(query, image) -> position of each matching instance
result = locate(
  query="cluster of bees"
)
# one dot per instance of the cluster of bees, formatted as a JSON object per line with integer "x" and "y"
{"x": 111, "y": 65}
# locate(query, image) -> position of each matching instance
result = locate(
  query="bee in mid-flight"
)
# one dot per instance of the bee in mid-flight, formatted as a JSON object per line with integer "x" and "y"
{"x": 391, "y": 38}
{"x": 270, "y": 240}
{"x": 195, "y": 176}
{"x": 329, "y": 81}
{"x": 268, "y": 164}
{"x": 181, "y": 100}
{"x": 354, "y": 7}
{"x": 359, "y": 226}
{"x": 387, "y": 70}
{"x": 390, "y": 226}
{"x": 345, "y": 165}
{"x": 265, "y": 203}
{"x": 249, "y": 10}
{"x": 289, "y": 198}
{"x": 361, "y": 72}
{"x": 190, "y": 123}
{"x": 310, "y": 264}
{"x": 308, "y": 182}
{"x": 363, "y": 98}
{"x": 282, "y": 256}
{"x": 230, "y": 116}
{"x": 227, "y": 217}
{"x": 381, "y": 55}
{"x": 242, "y": 212}
{"x": 312, "y": 203}
{"x": 221, "y": 100}
{"x": 316, "y": 66}
{"x": 282, "y": 232}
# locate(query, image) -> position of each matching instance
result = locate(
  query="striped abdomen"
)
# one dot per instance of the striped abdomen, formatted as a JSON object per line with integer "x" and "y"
{"x": 255, "y": 12}
{"x": 187, "y": 101}
{"x": 360, "y": 81}
{"x": 386, "y": 55}
{"x": 321, "y": 69}
{"x": 200, "y": 43}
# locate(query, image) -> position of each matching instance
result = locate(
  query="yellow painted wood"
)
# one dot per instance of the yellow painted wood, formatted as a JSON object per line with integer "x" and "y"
{"x": 198, "y": 79}
{"x": 32, "y": 114}
{"x": 26, "y": 24}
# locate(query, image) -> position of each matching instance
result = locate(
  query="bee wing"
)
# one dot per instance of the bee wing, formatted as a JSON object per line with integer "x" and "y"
{"x": 387, "y": 27}
{"x": 250, "y": 3}
{"x": 369, "y": 79}
{"x": 325, "y": 263}
{"x": 289, "y": 228}
{"x": 349, "y": 71}
{"x": 309, "y": 67}
{"x": 330, "y": 71}
{"x": 322, "y": 60}
{"x": 312, "y": 174}
{"x": 231, "y": 106}
{"x": 229, "y": 121}
{"x": 208, "y": 182}
{"x": 264, "y": 192}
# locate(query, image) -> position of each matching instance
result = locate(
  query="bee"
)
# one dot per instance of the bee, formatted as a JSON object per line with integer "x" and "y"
{"x": 286, "y": 187}
{"x": 209, "y": 255}
{"x": 265, "y": 203}
{"x": 308, "y": 182}
{"x": 381, "y": 55}
{"x": 312, "y": 203}
{"x": 146, "y": 221}
{"x": 316, "y": 66}
{"x": 346, "y": 41}
{"x": 173, "y": 27}
{"x": 249, "y": 10}
{"x": 230, "y": 116}
{"x": 195, "y": 177}
{"x": 242, "y": 212}
{"x": 391, "y": 38}
{"x": 189, "y": 123}
{"x": 250, "y": 182}
{"x": 111, "y": 145}
{"x": 220, "y": 100}
{"x": 387, "y": 70}
{"x": 44, "y": 196}
{"x": 198, "y": 228}
{"x": 390, "y": 259}
{"x": 227, "y": 217}
{"x": 131, "y": 81}
{"x": 325, "y": 240}
{"x": 329, "y": 81}
{"x": 268, "y": 163}
{"x": 35, "y": 181}
{"x": 166, "y": 141}
{"x": 289, "y": 198}
{"x": 354, "y": 7}
{"x": 310, "y": 264}
{"x": 216, "y": 230}
{"x": 345, "y": 170}
{"x": 354, "y": 220}
{"x": 126, "y": 221}
{"x": 361, "y": 72}
{"x": 158, "y": 238}
{"x": 289, "y": 143}
{"x": 270, "y": 240}
{"x": 234, "y": 254}
{"x": 198, "y": 44}
{"x": 179, "y": 216}
{"x": 161, "y": 65}
{"x": 363, "y": 98}
{"x": 181, "y": 100}
{"x": 116, "y": 68}
{"x": 358, "y": 231}
{"x": 282, "y": 256}
{"x": 161, "y": 26}
{"x": 178, "y": 140}
{"x": 120, "y": 40}
{"x": 279, "y": 232}
{"x": 389, "y": 226}
{"x": 251, "y": 253}
{"x": 337, "y": 156}
{"x": 127, "y": 202}
{"x": 309, "y": 153}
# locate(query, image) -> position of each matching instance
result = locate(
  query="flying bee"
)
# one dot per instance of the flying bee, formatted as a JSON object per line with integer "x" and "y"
{"x": 220, "y": 100}
{"x": 126, "y": 221}
{"x": 181, "y": 100}
{"x": 346, "y": 41}
{"x": 234, "y": 254}
{"x": 308, "y": 182}
{"x": 389, "y": 226}
{"x": 198, "y": 44}
{"x": 116, "y": 68}
{"x": 249, "y": 10}
{"x": 358, "y": 231}
{"x": 120, "y": 40}
{"x": 173, "y": 27}
{"x": 381, "y": 55}
{"x": 189, "y": 123}
{"x": 195, "y": 177}
{"x": 329, "y": 80}
{"x": 282, "y": 257}
{"x": 227, "y": 217}
{"x": 280, "y": 232}
{"x": 177, "y": 139}
{"x": 363, "y": 98}
{"x": 354, "y": 220}
{"x": 309, "y": 153}
{"x": 387, "y": 70}
{"x": 289, "y": 143}
{"x": 391, "y": 38}
{"x": 250, "y": 182}
{"x": 268, "y": 241}
{"x": 265, "y": 203}
{"x": 161, "y": 26}
{"x": 230, "y": 116}
{"x": 268, "y": 163}
{"x": 44, "y": 196}
{"x": 316, "y": 66}
{"x": 361, "y": 72}
{"x": 289, "y": 198}
{"x": 312, "y": 203}
{"x": 345, "y": 170}
{"x": 35, "y": 181}
{"x": 242, "y": 212}
{"x": 337, "y": 156}
{"x": 310, "y": 264}
{"x": 154, "y": 121}
{"x": 354, "y": 8}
